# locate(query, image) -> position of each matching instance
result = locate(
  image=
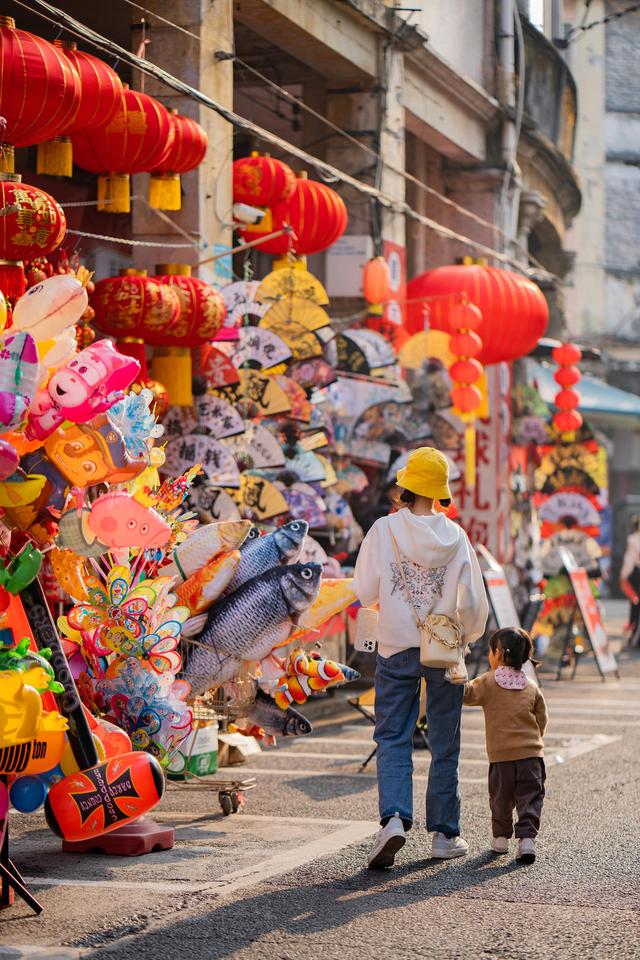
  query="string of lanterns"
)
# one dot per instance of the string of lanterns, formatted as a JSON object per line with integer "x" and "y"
{"x": 568, "y": 419}
{"x": 465, "y": 319}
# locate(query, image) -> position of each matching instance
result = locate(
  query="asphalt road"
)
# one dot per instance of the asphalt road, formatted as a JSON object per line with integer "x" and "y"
{"x": 285, "y": 880}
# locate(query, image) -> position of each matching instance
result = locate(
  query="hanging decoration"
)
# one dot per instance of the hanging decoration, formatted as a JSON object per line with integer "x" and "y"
{"x": 376, "y": 284}
{"x": 187, "y": 151}
{"x": 567, "y": 420}
{"x": 32, "y": 225}
{"x": 261, "y": 181}
{"x": 465, "y": 320}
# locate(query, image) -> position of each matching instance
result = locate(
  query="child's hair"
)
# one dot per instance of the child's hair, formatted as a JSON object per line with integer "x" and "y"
{"x": 405, "y": 498}
{"x": 515, "y": 644}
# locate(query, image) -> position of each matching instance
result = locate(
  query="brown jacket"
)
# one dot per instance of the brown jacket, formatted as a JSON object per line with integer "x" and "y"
{"x": 515, "y": 720}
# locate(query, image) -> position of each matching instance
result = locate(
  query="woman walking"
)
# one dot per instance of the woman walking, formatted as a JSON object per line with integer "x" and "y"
{"x": 417, "y": 563}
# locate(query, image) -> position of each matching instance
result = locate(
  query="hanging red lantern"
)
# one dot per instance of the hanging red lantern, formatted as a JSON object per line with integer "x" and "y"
{"x": 316, "y": 213}
{"x": 262, "y": 181}
{"x": 33, "y": 224}
{"x": 567, "y": 420}
{"x": 465, "y": 371}
{"x": 186, "y": 152}
{"x": 136, "y": 140}
{"x": 100, "y": 98}
{"x": 39, "y": 90}
{"x": 376, "y": 280}
{"x": 514, "y": 310}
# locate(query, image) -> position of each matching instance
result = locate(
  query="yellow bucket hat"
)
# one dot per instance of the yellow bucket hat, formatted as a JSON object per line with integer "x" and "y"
{"x": 426, "y": 474}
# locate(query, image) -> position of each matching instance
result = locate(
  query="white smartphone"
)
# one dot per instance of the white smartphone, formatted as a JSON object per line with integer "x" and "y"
{"x": 366, "y": 630}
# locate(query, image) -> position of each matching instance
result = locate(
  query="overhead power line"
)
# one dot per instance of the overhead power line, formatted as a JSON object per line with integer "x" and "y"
{"x": 64, "y": 20}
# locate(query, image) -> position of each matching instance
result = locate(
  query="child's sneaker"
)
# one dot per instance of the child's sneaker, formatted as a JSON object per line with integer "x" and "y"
{"x": 390, "y": 839}
{"x": 446, "y": 848}
{"x": 500, "y": 844}
{"x": 526, "y": 850}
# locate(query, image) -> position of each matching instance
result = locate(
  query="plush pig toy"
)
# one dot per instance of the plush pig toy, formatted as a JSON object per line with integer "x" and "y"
{"x": 88, "y": 385}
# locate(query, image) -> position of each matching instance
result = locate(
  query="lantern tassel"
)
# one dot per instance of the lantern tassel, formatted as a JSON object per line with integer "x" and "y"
{"x": 55, "y": 157}
{"x": 165, "y": 192}
{"x": 470, "y": 456}
{"x": 114, "y": 195}
{"x": 172, "y": 367}
{"x": 13, "y": 282}
{"x": 7, "y": 158}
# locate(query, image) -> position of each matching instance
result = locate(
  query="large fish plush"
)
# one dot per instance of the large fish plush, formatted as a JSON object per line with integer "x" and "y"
{"x": 260, "y": 554}
{"x": 250, "y": 622}
{"x": 204, "y": 544}
{"x": 275, "y": 722}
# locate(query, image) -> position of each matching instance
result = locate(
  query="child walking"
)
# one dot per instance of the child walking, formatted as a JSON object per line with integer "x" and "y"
{"x": 515, "y": 717}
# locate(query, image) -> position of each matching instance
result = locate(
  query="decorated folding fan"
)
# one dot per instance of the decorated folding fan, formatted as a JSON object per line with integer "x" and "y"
{"x": 257, "y": 389}
{"x": 566, "y": 503}
{"x": 350, "y": 478}
{"x": 312, "y": 373}
{"x": 217, "y": 367}
{"x": 312, "y": 552}
{"x": 213, "y": 504}
{"x": 292, "y": 282}
{"x": 300, "y": 406}
{"x": 296, "y": 310}
{"x": 218, "y": 417}
{"x": 425, "y": 346}
{"x": 242, "y": 304}
{"x": 350, "y": 396}
{"x": 304, "y": 504}
{"x": 214, "y": 458}
{"x": 259, "y": 499}
{"x": 260, "y": 349}
{"x": 330, "y": 477}
{"x": 307, "y": 466}
{"x": 257, "y": 448}
{"x": 301, "y": 341}
{"x": 178, "y": 421}
{"x": 377, "y": 350}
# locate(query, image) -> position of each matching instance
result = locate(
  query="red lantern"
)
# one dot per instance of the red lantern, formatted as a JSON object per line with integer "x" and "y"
{"x": 33, "y": 226}
{"x": 567, "y": 354}
{"x": 567, "y": 399}
{"x": 567, "y": 376}
{"x": 465, "y": 344}
{"x": 39, "y": 89}
{"x": 262, "y": 181}
{"x": 376, "y": 280}
{"x": 567, "y": 421}
{"x": 465, "y": 371}
{"x": 316, "y": 213}
{"x": 466, "y": 399}
{"x": 186, "y": 152}
{"x": 465, "y": 316}
{"x": 514, "y": 310}
{"x": 137, "y": 139}
{"x": 202, "y": 312}
{"x": 100, "y": 97}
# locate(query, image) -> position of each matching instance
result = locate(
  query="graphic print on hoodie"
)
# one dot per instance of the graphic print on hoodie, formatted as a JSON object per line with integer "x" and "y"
{"x": 442, "y": 571}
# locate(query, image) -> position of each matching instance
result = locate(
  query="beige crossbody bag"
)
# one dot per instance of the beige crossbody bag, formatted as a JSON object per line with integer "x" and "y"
{"x": 441, "y": 638}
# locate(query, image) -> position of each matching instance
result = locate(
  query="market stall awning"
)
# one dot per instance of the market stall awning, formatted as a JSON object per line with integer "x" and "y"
{"x": 600, "y": 403}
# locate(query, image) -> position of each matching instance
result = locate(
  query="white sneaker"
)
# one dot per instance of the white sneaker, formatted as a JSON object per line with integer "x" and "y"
{"x": 526, "y": 850}
{"x": 500, "y": 844}
{"x": 390, "y": 839}
{"x": 445, "y": 848}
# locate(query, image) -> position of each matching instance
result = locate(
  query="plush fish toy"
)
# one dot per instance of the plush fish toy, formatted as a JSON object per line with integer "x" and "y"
{"x": 267, "y": 715}
{"x": 202, "y": 589}
{"x": 204, "y": 544}
{"x": 275, "y": 549}
{"x": 250, "y": 622}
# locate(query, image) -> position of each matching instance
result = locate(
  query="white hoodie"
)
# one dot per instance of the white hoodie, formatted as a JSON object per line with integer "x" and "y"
{"x": 441, "y": 569}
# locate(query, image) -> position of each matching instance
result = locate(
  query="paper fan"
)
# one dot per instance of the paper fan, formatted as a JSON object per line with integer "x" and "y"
{"x": 444, "y": 434}
{"x": 292, "y": 282}
{"x": 330, "y": 477}
{"x": 214, "y": 458}
{"x": 307, "y": 466}
{"x": 425, "y": 346}
{"x": 178, "y": 421}
{"x": 312, "y": 552}
{"x": 242, "y": 303}
{"x": 300, "y": 405}
{"x": 296, "y": 310}
{"x": 212, "y": 504}
{"x": 256, "y": 449}
{"x": 217, "y": 367}
{"x": 346, "y": 355}
{"x": 312, "y": 373}
{"x": 377, "y": 350}
{"x": 325, "y": 335}
{"x": 351, "y": 479}
{"x": 259, "y": 349}
{"x": 566, "y": 503}
{"x": 257, "y": 389}
{"x": 315, "y": 440}
{"x": 304, "y": 504}
{"x": 303, "y": 344}
{"x": 374, "y": 452}
{"x": 218, "y": 417}
{"x": 350, "y": 396}
{"x": 321, "y": 420}
{"x": 259, "y": 499}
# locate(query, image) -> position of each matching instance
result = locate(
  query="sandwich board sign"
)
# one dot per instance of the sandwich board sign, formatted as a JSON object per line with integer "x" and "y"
{"x": 590, "y": 614}
{"x": 501, "y": 599}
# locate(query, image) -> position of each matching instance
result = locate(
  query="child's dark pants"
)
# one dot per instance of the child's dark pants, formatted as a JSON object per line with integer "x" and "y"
{"x": 519, "y": 784}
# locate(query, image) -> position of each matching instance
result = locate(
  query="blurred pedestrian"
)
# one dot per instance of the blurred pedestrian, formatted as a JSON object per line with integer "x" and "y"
{"x": 417, "y": 562}
{"x": 630, "y": 575}
{"x": 515, "y": 717}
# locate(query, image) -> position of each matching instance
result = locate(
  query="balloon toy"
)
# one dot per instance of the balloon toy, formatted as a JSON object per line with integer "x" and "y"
{"x": 88, "y": 385}
{"x": 50, "y": 307}
{"x": 19, "y": 368}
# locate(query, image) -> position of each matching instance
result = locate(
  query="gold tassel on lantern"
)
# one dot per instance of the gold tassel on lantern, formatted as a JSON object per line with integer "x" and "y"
{"x": 114, "y": 195}
{"x": 164, "y": 191}
{"x": 469, "y": 454}
{"x": 7, "y": 158}
{"x": 172, "y": 367}
{"x": 55, "y": 157}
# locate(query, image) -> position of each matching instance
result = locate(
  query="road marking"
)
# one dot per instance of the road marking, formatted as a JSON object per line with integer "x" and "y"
{"x": 302, "y": 774}
{"x": 228, "y": 884}
{"x": 369, "y": 741}
{"x": 343, "y": 756}
{"x": 39, "y": 952}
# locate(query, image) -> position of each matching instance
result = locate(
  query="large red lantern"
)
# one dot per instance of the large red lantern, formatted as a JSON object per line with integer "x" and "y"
{"x": 100, "y": 98}
{"x": 186, "y": 152}
{"x": 39, "y": 89}
{"x": 262, "y": 181}
{"x": 136, "y": 140}
{"x": 316, "y": 213}
{"x": 32, "y": 225}
{"x": 514, "y": 311}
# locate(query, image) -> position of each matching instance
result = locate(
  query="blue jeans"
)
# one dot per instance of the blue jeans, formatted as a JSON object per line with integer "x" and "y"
{"x": 397, "y": 703}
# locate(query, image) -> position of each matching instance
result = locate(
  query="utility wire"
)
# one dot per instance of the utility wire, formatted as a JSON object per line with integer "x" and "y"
{"x": 576, "y": 32}
{"x": 60, "y": 18}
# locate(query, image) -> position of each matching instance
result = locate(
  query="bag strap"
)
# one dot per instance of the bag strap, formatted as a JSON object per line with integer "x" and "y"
{"x": 419, "y": 623}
